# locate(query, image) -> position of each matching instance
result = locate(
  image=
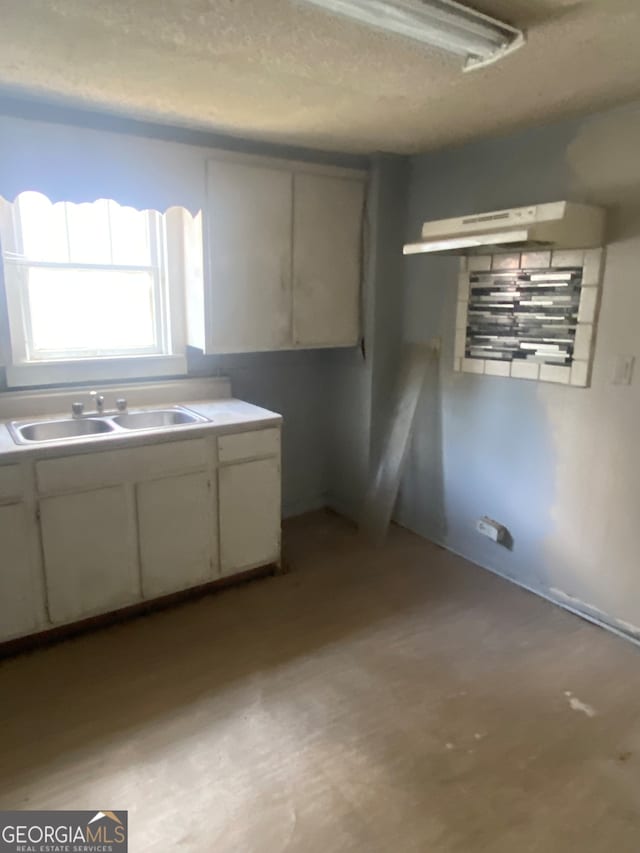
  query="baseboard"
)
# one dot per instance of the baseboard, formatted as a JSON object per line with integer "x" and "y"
{"x": 602, "y": 620}
{"x": 56, "y": 634}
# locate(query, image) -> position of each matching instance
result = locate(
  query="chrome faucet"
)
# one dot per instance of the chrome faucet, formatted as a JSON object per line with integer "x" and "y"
{"x": 77, "y": 409}
{"x": 99, "y": 398}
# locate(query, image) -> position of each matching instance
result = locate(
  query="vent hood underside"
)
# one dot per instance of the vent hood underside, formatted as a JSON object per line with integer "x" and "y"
{"x": 478, "y": 244}
{"x": 556, "y": 225}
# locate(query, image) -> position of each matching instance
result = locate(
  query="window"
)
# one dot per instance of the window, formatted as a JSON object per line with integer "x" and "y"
{"x": 88, "y": 290}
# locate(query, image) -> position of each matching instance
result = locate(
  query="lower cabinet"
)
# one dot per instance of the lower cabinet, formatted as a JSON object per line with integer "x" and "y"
{"x": 178, "y": 531}
{"x": 120, "y": 526}
{"x": 21, "y": 604}
{"x": 90, "y": 554}
{"x": 249, "y": 495}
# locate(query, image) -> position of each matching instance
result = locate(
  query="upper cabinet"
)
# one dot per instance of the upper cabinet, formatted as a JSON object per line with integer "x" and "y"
{"x": 283, "y": 245}
{"x": 248, "y": 230}
{"x": 327, "y": 228}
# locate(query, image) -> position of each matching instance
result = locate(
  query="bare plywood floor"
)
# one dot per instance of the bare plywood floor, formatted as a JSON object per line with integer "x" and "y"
{"x": 396, "y": 700}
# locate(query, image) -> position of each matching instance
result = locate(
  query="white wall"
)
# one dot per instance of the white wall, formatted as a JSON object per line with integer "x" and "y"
{"x": 560, "y": 467}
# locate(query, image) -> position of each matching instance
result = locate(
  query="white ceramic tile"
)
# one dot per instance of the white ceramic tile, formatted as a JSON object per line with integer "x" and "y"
{"x": 506, "y": 262}
{"x": 461, "y": 315}
{"x": 592, "y": 269}
{"x": 555, "y": 373}
{"x": 567, "y": 258}
{"x": 457, "y": 364}
{"x": 588, "y": 304}
{"x": 580, "y": 373}
{"x": 473, "y": 365}
{"x": 524, "y": 369}
{"x": 582, "y": 346}
{"x": 463, "y": 286}
{"x": 461, "y": 340}
{"x": 479, "y": 263}
{"x": 535, "y": 260}
{"x": 496, "y": 368}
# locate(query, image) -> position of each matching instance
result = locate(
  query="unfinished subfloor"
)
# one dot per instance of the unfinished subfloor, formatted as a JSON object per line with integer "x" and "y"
{"x": 394, "y": 700}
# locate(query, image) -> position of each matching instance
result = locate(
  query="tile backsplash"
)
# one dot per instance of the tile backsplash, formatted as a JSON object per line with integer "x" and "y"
{"x": 529, "y": 315}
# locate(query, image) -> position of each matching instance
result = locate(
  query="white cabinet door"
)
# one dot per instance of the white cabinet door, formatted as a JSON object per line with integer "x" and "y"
{"x": 178, "y": 531}
{"x": 248, "y": 231}
{"x": 90, "y": 554}
{"x": 249, "y": 496}
{"x": 327, "y": 260}
{"x": 21, "y": 600}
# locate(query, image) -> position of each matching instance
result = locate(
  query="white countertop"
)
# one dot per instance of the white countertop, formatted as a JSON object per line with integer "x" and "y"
{"x": 223, "y": 416}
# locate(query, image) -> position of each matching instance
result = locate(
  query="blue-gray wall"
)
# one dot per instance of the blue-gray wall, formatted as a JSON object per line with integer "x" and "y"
{"x": 559, "y": 466}
{"x": 360, "y": 382}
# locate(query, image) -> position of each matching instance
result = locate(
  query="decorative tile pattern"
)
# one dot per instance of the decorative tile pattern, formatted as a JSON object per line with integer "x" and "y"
{"x": 524, "y": 314}
{"x": 530, "y": 316}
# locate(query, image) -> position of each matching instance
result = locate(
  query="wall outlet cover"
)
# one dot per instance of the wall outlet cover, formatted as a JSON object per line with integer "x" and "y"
{"x": 623, "y": 370}
{"x": 492, "y": 529}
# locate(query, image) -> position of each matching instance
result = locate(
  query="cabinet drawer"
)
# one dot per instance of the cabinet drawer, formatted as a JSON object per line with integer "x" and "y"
{"x": 248, "y": 445}
{"x": 11, "y": 482}
{"x": 132, "y": 465}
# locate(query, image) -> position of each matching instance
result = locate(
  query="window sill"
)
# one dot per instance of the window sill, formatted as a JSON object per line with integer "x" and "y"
{"x": 95, "y": 370}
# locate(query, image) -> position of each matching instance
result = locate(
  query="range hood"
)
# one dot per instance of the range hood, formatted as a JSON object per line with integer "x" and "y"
{"x": 556, "y": 225}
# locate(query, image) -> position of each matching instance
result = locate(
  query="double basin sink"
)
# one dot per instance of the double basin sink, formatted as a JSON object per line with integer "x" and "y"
{"x": 61, "y": 429}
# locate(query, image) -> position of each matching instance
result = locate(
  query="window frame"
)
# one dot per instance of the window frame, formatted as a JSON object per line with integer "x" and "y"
{"x": 166, "y": 358}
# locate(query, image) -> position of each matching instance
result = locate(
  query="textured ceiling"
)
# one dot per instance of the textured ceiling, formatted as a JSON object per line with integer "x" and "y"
{"x": 282, "y": 71}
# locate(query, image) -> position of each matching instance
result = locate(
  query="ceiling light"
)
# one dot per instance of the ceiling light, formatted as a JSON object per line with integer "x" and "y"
{"x": 445, "y": 24}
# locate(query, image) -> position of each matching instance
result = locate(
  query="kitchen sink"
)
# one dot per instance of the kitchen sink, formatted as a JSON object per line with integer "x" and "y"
{"x": 58, "y": 430}
{"x": 66, "y": 429}
{"x": 155, "y": 418}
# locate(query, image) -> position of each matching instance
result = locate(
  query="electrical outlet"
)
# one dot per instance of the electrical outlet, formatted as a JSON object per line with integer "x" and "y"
{"x": 623, "y": 370}
{"x": 492, "y": 529}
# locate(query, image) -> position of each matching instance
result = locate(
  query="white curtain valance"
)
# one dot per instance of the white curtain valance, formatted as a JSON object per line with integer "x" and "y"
{"x": 74, "y": 164}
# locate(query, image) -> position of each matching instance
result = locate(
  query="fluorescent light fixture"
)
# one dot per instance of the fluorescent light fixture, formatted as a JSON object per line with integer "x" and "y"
{"x": 445, "y": 24}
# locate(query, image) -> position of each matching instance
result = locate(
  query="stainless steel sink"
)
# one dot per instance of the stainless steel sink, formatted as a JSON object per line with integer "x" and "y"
{"x": 59, "y": 430}
{"x": 66, "y": 429}
{"x": 156, "y": 418}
